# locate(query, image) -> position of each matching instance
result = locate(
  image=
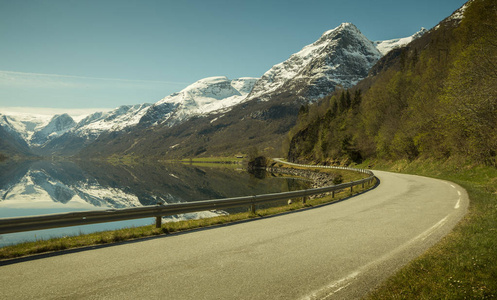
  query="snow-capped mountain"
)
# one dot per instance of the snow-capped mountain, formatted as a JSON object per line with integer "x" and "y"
{"x": 41, "y": 133}
{"x": 23, "y": 126}
{"x": 58, "y": 125}
{"x": 342, "y": 56}
{"x": 115, "y": 120}
{"x": 386, "y": 46}
{"x": 202, "y": 97}
{"x": 16, "y": 130}
{"x": 213, "y": 94}
{"x": 81, "y": 134}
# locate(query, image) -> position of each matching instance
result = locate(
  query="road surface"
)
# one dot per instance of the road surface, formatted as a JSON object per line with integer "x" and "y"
{"x": 339, "y": 251}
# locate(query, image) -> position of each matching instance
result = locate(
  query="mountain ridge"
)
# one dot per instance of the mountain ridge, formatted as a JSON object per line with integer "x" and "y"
{"x": 340, "y": 57}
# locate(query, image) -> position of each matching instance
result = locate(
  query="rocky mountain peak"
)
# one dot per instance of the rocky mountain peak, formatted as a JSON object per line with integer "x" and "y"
{"x": 340, "y": 57}
{"x": 61, "y": 122}
{"x": 58, "y": 125}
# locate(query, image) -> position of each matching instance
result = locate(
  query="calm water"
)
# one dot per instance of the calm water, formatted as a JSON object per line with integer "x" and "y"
{"x": 44, "y": 187}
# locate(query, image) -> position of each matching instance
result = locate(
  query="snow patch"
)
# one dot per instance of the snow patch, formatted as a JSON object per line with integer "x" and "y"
{"x": 459, "y": 14}
{"x": 386, "y": 46}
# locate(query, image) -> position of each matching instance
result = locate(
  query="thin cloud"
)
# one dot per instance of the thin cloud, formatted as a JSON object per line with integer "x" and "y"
{"x": 55, "y": 90}
{"x": 13, "y": 75}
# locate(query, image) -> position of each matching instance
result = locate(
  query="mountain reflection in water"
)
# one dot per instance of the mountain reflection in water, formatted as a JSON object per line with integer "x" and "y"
{"x": 42, "y": 187}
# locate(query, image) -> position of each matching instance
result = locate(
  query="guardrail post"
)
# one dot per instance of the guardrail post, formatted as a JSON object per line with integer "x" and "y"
{"x": 304, "y": 200}
{"x": 158, "y": 219}
{"x": 252, "y": 206}
{"x": 333, "y": 194}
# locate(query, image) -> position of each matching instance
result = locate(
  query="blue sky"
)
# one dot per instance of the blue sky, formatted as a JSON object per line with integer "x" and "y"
{"x": 102, "y": 54}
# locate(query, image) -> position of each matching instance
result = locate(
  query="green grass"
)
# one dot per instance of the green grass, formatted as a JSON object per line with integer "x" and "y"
{"x": 118, "y": 160}
{"x": 227, "y": 160}
{"x": 70, "y": 242}
{"x": 216, "y": 165}
{"x": 462, "y": 265}
{"x": 106, "y": 237}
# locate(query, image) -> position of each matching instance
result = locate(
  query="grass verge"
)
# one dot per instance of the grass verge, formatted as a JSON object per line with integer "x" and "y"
{"x": 216, "y": 160}
{"x": 106, "y": 237}
{"x": 462, "y": 265}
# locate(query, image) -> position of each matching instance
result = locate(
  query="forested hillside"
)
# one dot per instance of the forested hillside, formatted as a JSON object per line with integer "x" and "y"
{"x": 436, "y": 97}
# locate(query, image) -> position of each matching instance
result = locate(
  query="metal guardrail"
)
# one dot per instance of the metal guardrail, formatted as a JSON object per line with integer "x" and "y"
{"x": 20, "y": 224}
{"x": 365, "y": 171}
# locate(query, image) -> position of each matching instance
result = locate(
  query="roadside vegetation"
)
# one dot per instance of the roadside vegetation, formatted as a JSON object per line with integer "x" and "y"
{"x": 429, "y": 108}
{"x": 114, "y": 236}
{"x": 462, "y": 265}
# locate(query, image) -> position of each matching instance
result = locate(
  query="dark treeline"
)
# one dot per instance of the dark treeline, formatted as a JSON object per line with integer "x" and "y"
{"x": 437, "y": 98}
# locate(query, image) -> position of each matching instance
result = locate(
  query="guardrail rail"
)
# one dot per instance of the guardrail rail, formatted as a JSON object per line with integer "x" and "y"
{"x": 28, "y": 223}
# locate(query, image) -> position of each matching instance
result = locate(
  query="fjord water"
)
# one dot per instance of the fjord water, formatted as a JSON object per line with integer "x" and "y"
{"x": 45, "y": 187}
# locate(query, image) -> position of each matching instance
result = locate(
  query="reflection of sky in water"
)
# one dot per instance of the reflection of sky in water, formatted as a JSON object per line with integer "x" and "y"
{"x": 38, "y": 188}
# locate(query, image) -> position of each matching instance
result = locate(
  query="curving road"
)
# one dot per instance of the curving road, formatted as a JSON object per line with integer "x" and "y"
{"x": 332, "y": 252}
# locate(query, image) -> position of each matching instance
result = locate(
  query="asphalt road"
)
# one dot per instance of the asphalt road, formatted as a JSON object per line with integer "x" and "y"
{"x": 339, "y": 251}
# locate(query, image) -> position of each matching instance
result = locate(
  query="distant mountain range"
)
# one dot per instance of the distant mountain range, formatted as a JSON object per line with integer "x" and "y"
{"x": 338, "y": 59}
